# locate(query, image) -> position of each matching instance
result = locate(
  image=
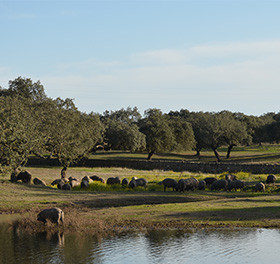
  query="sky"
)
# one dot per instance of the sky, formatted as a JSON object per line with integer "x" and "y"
{"x": 171, "y": 55}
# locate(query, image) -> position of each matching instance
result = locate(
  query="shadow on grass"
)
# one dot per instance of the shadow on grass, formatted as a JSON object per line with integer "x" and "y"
{"x": 248, "y": 213}
{"x": 134, "y": 200}
{"x": 117, "y": 155}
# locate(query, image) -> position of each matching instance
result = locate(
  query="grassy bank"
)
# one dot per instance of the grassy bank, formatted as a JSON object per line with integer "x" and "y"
{"x": 117, "y": 209}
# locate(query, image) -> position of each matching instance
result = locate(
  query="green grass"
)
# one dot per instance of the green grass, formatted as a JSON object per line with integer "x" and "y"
{"x": 106, "y": 207}
{"x": 266, "y": 153}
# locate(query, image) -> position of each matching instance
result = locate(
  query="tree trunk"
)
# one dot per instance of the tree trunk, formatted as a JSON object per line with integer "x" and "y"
{"x": 63, "y": 172}
{"x": 216, "y": 154}
{"x": 14, "y": 174}
{"x": 151, "y": 153}
{"x": 197, "y": 153}
{"x": 229, "y": 150}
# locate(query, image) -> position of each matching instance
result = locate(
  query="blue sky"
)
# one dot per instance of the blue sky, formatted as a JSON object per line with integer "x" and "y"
{"x": 107, "y": 55}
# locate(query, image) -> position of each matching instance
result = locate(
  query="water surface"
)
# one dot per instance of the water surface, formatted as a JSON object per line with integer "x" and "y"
{"x": 200, "y": 246}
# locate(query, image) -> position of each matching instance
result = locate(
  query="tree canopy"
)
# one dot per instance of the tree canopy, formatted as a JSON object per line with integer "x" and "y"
{"x": 33, "y": 123}
{"x": 19, "y": 136}
{"x": 165, "y": 133}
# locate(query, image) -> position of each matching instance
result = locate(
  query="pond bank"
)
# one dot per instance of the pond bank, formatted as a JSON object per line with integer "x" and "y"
{"x": 118, "y": 212}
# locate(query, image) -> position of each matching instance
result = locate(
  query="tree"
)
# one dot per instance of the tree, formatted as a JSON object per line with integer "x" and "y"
{"x": 234, "y": 132}
{"x": 255, "y": 124}
{"x": 33, "y": 123}
{"x": 70, "y": 135}
{"x": 270, "y": 132}
{"x": 183, "y": 133}
{"x": 207, "y": 130}
{"x": 214, "y": 133}
{"x": 19, "y": 136}
{"x": 19, "y": 131}
{"x": 159, "y": 135}
{"x": 199, "y": 122}
{"x": 122, "y": 136}
{"x": 127, "y": 116}
{"x": 122, "y": 132}
{"x": 25, "y": 88}
{"x": 213, "y": 130}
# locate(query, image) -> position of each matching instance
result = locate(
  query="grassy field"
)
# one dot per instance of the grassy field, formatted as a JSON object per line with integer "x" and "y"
{"x": 102, "y": 208}
{"x": 242, "y": 154}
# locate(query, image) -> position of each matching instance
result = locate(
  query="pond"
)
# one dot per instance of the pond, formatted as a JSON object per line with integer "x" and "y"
{"x": 164, "y": 246}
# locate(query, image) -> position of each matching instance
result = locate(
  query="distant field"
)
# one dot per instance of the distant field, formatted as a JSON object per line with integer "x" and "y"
{"x": 245, "y": 154}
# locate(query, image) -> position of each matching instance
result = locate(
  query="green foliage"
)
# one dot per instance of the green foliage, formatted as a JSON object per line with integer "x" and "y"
{"x": 70, "y": 135}
{"x": 183, "y": 134}
{"x": 233, "y": 130}
{"x": 20, "y": 121}
{"x": 19, "y": 136}
{"x": 24, "y": 87}
{"x": 213, "y": 130}
{"x": 126, "y": 116}
{"x": 122, "y": 136}
{"x": 200, "y": 126}
{"x": 159, "y": 135}
{"x": 31, "y": 123}
{"x": 269, "y": 132}
{"x": 122, "y": 132}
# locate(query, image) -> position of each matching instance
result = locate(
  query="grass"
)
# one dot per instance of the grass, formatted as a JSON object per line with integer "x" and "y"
{"x": 266, "y": 153}
{"x": 103, "y": 208}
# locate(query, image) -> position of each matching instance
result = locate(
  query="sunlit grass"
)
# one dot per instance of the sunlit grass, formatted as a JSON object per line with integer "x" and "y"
{"x": 266, "y": 153}
{"x": 103, "y": 206}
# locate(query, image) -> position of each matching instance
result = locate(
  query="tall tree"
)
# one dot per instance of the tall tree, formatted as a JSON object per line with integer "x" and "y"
{"x": 234, "y": 132}
{"x": 70, "y": 135}
{"x": 20, "y": 121}
{"x": 25, "y": 88}
{"x": 183, "y": 134}
{"x": 19, "y": 136}
{"x": 199, "y": 122}
{"x": 122, "y": 136}
{"x": 159, "y": 135}
{"x": 121, "y": 130}
{"x": 127, "y": 116}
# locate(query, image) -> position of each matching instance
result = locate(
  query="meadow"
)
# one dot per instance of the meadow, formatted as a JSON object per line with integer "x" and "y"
{"x": 265, "y": 153}
{"x": 103, "y": 208}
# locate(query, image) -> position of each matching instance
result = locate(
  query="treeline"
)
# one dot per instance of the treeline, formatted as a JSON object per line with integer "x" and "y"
{"x": 32, "y": 123}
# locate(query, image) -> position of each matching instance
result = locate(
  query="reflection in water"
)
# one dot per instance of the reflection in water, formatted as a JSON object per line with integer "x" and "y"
{"x": 170, "y": 246}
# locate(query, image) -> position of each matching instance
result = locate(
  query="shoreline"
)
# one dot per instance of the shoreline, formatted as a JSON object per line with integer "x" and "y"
{"x": 116, "y": 220}
{"x": 101, "y": 228}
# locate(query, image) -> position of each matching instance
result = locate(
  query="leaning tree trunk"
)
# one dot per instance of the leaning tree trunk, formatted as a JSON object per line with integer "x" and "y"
{"x": 217, "y": 155}
{"x": 229, "y": 150}
{"x": 151, "y": 153}
{"x": 63, "y": 172}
